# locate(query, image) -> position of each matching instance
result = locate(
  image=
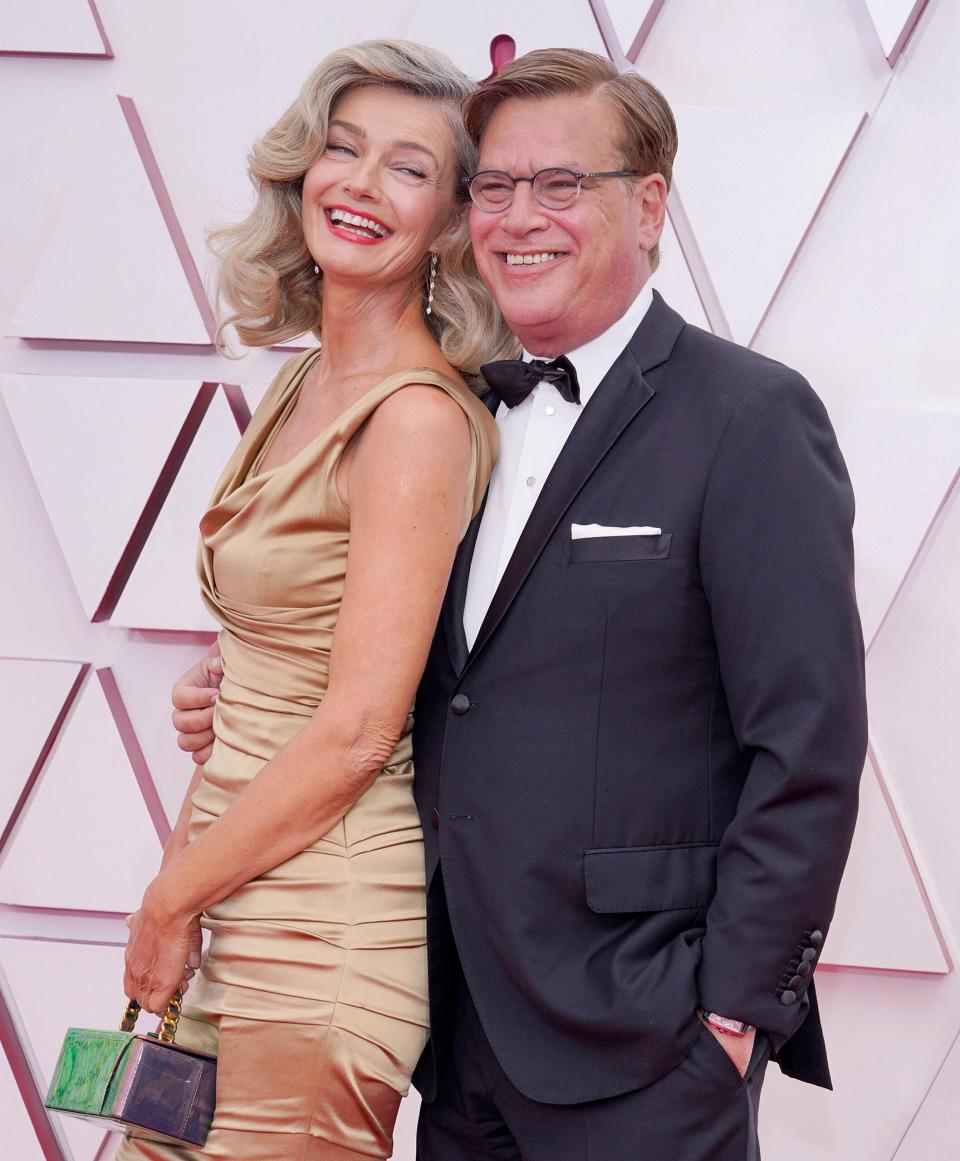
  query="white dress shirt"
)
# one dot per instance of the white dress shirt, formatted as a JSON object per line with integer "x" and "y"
{"x": 532, "y": 435}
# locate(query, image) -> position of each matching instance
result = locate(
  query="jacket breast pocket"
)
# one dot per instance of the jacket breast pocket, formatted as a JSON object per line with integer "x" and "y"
{"x": 597, "y": 549}
{"x": 635, "y": 879}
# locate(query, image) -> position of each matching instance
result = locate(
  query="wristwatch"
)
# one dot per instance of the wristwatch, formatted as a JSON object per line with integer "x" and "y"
{"x": 725, "y": 1024}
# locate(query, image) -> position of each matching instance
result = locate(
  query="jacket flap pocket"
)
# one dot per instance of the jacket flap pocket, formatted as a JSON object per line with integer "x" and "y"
{"x": 595, "y": 549}
{"x": 627, "y": 879}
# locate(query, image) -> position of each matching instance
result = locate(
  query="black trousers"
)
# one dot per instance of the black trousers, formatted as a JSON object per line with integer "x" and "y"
{"x": 700, "y": 1111}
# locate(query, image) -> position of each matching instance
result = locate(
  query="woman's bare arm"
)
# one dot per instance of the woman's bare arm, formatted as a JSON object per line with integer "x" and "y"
{"x": 408, "y": 479}
{"x": 178, "y": 836}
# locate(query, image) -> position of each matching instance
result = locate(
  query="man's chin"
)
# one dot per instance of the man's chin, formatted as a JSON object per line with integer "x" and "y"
{"x": 530, "y": 316}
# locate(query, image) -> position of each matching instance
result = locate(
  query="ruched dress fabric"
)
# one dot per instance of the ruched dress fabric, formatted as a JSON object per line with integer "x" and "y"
{"x": 313, "y": 989}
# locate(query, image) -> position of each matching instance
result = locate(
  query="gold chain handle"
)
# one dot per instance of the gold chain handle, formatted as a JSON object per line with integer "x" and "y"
{"x": 171, "y": 1017}
{"x": 168, "y": 1021}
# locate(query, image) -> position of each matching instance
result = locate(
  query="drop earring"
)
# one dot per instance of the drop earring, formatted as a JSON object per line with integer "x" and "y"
{"x": 431, "y": 280}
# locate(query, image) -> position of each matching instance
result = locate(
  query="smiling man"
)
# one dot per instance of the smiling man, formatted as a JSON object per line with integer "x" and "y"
{"x": 641, "y": 729}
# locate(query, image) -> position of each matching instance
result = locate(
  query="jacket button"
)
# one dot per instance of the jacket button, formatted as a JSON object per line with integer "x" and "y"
{"x": 788, "y": 997}
{"x": 816, "y": 938}
{"x": 809, "y": 954}
{"x": 796, "y": 983}
{"x": 805, "y": 968}
{"x": 435, "y": 818}
{"x": 460, "y": 704}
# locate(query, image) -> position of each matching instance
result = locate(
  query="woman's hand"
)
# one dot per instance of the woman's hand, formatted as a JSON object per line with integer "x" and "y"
{"x": 161, "y": 953}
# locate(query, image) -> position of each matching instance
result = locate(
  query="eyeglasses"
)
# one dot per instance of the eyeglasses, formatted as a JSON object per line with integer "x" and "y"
{"x": 491, "y": 190}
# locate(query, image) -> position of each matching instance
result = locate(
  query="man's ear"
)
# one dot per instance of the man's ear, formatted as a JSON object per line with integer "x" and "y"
{"x": 652, "y": 209}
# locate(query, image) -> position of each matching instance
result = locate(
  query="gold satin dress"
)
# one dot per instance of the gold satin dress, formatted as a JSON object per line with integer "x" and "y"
{"x": 313, "y": 989}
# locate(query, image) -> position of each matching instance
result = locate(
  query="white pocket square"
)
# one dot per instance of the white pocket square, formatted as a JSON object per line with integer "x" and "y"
{"x": 585, "y": 531}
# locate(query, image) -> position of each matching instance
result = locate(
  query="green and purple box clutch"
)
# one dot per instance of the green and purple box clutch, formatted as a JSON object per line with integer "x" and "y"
{"x": 125, "y": 1080}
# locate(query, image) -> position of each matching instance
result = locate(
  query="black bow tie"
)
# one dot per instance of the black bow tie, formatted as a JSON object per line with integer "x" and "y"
{"x": 512, "y": 380}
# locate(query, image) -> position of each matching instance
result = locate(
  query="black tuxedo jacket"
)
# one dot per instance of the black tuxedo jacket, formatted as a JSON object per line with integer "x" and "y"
{"x": 641, "y": 782}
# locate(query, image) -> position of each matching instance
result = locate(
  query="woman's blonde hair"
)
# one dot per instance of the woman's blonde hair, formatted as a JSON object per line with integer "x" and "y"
{"x": 266, "y": 271}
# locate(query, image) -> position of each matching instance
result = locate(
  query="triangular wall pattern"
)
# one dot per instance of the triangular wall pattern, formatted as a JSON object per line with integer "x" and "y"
{"x": 35, "y": 972}
{"x": 34, "y": 696}
{"x": 145, "y": 674}
{"x": 880, "y": 894}
{"x": 674, "y": 280}
{"x": 96, "y": 448}
{"x": 894, "y": 21}
{"x": 933, "y": 1134}
{"x": 162, "y": 592}
{"x": 749, "y": 216}
{"x": 52, "y": 28}
{"x": 253, "y": 393}
{"x": 19, "y": 1139}
{"x": 913, "y": 674}
{"x": 631, "y": 20}
{"x": 85, "y": 840}
{"x": 901, "y": 463}
{"x": 534, "y": 24}
{"x": 116, "y": 268}
{"x": 135, "y": 755}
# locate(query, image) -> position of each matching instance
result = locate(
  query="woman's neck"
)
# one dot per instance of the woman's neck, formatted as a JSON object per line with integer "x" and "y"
{"x": 365, "y": 331}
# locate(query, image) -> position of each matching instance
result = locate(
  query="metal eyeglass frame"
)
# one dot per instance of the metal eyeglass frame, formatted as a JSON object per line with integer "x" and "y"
{"x": 533, "y": 185}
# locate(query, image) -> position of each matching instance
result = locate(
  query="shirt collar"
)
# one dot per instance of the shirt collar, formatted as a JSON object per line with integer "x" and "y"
{"x": 595, "y": 358}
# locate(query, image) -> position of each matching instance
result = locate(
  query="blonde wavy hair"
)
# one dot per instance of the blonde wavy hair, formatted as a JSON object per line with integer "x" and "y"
{"x": 266, "y": 276}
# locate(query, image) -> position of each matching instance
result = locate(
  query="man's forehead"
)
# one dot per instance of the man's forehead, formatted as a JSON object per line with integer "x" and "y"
{"x": 565, "y": 130}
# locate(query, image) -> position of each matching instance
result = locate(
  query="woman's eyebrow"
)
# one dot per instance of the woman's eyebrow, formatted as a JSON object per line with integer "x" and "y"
{"x": 359, "y": 131}
{"x": 416, "y": 145}
{"x": 349, "y": 126}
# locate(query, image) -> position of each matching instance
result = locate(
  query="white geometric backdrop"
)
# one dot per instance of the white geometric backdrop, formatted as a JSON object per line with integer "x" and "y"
{"x": 813, "y": 217}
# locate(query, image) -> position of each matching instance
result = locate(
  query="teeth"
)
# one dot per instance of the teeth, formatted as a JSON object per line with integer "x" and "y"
{"x": 356, "y": 220}
{"x": 529, "y": 259}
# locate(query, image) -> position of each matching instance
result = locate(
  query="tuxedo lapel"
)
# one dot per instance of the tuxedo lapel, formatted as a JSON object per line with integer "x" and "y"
{"x": 451, "y": 613}
{"x": 451, "y": 617}
{"x": 621, "y": 395}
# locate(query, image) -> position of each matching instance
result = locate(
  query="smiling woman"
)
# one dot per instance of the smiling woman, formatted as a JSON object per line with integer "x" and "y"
{"x": 384, "y": 181}
{"x": 324, "y": 554}
{"x": 269, "y": 271}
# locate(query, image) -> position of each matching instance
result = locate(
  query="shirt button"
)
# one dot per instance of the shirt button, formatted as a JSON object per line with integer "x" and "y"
{"x": 531, "y": 481}
{"x": 549, "y": 409}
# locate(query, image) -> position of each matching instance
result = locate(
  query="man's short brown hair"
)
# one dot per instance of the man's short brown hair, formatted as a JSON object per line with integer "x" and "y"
{"x": 648, "y": 138}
